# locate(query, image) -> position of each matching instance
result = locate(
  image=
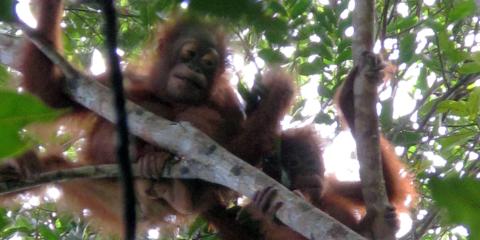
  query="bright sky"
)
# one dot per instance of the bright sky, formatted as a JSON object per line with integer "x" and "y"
{"x": 24, "y": 13}
{"x": 97, "y": 65}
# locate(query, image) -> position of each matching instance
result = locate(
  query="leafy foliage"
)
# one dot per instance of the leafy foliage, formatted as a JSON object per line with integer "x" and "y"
{"x": 461, "y": 208}
{"x": 4, "y": 76}
{"x": 16, "y": 112}
{"x": 6, "y": 10}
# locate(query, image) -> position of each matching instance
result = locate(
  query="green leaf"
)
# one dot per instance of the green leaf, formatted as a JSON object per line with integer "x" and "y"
{"x": 228, "y": 9}
{"x": 458, "y": 108}
{"x": 9, "y": 231}
{"x": 461, "y": 10}
{"x": 407, "y": 138}
{"x": 47, "y": 233}
{"x": 245, "y": 92}
{"x": 344, "y": 44}
{"x": 422, "y": 83}
{"x": 300, "y": 7}
{"x": 331, "y": 17}
{"x": 469, "y": 68}
{"x": 324, "y": 19}
{"x": 305, "y": 32}
{"x": 448, "y": 47}
{"x": 271, "y": 56}
{"x": 326, "y": 39}
{"x": 474, "y": 103}
{"x": 407, "y": 48}
{"x": 324, "y": 118}
{"x": 4, "y": 75}
{"x": 23, "y": 221}
{"x": 436, "y": 24}
{"x": 63, "y": 222}
{"x": 196, "y": 226}
{"x": 11, "y": 144}
{"x": 325, "y": 52}
{"x": 427, "y": 107}
{"x": 475, "y": 56}
{"x": 346, "y": 54}
{"x": 7, "y": 10}
{"x": 278, "y": 8}
{"x": 387, "y": 113}
{"x": 456, "y": 139}
{"x": 304, "y": 52}
{"x": 277, "y": 31}
{"x": 402, "y": 24}
{"x": 432, "y": 64}
{"x": 314, "y": 67}
{"x": 459, "y": 196}
{"x": 4, "y": 219}
{"x": 210, "y": 237}
{"x": 308, "y": 69}
{"x": 16, "y": 111}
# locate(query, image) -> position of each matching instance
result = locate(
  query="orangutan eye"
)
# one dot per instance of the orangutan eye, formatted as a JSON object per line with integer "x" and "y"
{"x": 188, "y": 51}
{"x": 210, "y": 59}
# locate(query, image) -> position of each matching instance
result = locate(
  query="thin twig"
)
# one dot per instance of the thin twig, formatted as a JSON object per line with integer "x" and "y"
{"x": 383, "y": 28}
{"x": 430, "y": 220}
{"x": 91, "y": 172}
{"x": 94, "y": 11}
{"x": 418, "y": 24}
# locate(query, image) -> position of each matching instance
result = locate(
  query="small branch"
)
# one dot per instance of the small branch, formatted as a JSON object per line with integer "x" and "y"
{"x": 366, "y": 120}
{"x": 418, "y": 24}
{"x": 94, "y": 11}
{"x": 383, "y": 28}
{"x": 201, "y": 153}
{"x": 391, "y": 16}
{"x": 82, "y": 19}
{"x": 92, "y": 172}
{"x": 247, "y": 49}
{"x": 430, "y": 220}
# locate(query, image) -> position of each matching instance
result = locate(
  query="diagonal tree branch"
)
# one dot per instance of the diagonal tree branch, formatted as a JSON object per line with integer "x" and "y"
{"x": 204, "y": 159}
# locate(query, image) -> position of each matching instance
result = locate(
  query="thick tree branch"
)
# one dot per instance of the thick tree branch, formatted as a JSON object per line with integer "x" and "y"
{"x": 366, "y": 120}
{"x": 204, "y": 159}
